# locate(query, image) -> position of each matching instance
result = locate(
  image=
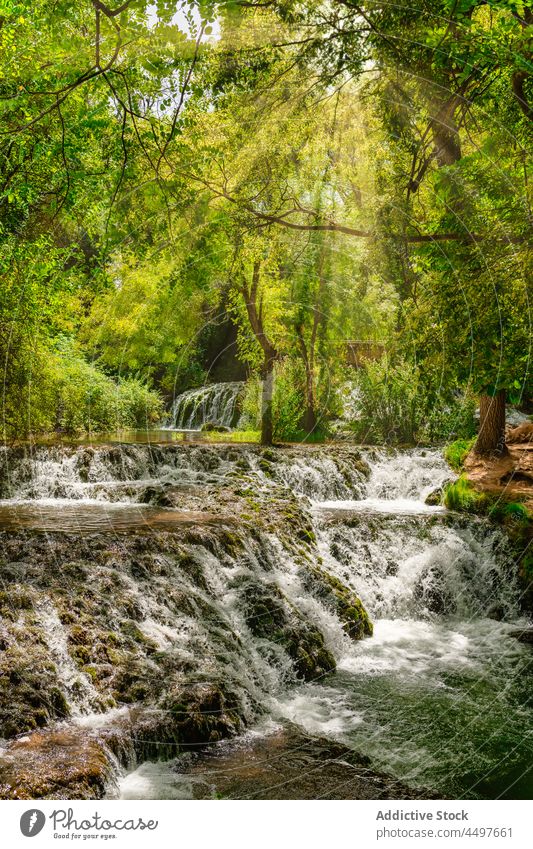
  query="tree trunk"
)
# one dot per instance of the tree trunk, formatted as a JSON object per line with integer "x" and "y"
{"x": 310, "y": 408}
{"x": 254, "y": 307}
{"x": 491, "y": 436}
{"x": 267, "y": 391}
{"x": 445, "y": 134}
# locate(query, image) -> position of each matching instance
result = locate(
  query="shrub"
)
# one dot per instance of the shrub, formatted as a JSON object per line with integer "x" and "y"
{"x": 288, "y": 405}
{"x": 87, "y": 400}
{"x": 389, "y": 402}
{"x": 78, "y": 397}
{"x": 395, "y": 404}
{"x": 138, "y": 406}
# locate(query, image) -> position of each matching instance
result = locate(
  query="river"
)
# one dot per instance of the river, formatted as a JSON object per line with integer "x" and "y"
{"x": 439, "y": 697}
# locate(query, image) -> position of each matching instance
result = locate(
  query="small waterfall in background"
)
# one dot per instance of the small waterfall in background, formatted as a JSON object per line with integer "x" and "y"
{"x": 215, "y": 403}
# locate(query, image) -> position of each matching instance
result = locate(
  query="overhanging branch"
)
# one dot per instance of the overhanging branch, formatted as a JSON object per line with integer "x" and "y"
{"x": 282, "y": 219}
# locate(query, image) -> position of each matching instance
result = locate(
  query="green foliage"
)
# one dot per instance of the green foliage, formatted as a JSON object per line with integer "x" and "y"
{"x": 456, "y": 453}
{"x": 87, "y": 400}
{"x": 233, "y": 436}
{"x": 389, "y": 403}
{"x": 131, "y": 219}
{"x": 145, "y": 321}
{"x": 396, "y": 404}
{"x": 63, "y": 393}
{"x": 287, "y": 404}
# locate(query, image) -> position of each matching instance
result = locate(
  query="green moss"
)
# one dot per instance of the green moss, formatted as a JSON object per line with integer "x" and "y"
{"x": 58, "y": 703}
{"x": 231, "y": 542}
{"x": 456, "y": 453}
{"x": 194, "y": 570}
{"x": 82, "y": 654}
{"x": 91, "y": 672}
{"x": 463, "y": 497}
{"x": 266, "y": 467}
{"x": 132, "y": 630}
{"x": 16, "y": 599}
{"x": 200, "y": 713}
{"x": 510, "y": 511}
{"x": 271, "y": 616}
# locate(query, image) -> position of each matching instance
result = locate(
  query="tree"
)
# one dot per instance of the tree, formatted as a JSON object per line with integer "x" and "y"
{"x": 253, "y": 302}
{"x": 449, "y": 60}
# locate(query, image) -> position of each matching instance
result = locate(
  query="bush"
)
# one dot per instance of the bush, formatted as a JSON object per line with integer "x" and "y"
{"x": 394, "y": 404}
{"x": 138, "y": 406}
{"x": 58, "y": 390}
{"x": 87, "y": 400}
{"x": 288, "y": 405}
{"x": 449, "y": 414}
{"x": 250, "y": 418}
{"x": 389, "y": 403}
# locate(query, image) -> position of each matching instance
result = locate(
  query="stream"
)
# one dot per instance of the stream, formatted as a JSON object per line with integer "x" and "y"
{"x": 439, "y": 697}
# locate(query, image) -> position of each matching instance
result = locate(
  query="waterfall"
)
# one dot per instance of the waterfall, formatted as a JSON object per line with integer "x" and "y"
{"x": 125, "y": 474}
{"x": 246, "y": 613}
{"x": 417, "y": 567}
{"x": 215, "y": 404}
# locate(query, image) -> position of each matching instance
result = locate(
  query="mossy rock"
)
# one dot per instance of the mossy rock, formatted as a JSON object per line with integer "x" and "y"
{"x": 266, "y": 467}
{"x": 200, "y": 713}
{"x": 271, "y": 616}
{"x": 55, "y": 765}
{"x": 31, "y": 694}
{"x": 212, "y": 427}
{"x": 339, "y": 598}
{"x": 132, "y": 630}
{"x": 435, "y": 498}
{"x": 134, "y": 679}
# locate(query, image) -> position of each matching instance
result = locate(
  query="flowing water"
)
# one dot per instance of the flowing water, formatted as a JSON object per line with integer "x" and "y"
{"x": 438, "y": 697}
{"x": 214, "y": 404}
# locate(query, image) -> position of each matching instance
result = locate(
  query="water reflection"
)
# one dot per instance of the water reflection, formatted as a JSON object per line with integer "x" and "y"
{"x": 89, "y": 517}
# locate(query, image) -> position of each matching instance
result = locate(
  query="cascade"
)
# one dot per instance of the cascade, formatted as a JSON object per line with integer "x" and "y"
{"x": 440, "y": 588}
{"x": 122, "y": 474}
{"x": 215, "y": 403}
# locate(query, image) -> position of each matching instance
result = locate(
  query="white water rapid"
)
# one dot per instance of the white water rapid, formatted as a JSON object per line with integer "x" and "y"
{"x": 437, "y": 698}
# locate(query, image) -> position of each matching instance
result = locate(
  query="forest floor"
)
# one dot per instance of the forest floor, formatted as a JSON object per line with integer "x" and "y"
{"x": 510, "y": 475}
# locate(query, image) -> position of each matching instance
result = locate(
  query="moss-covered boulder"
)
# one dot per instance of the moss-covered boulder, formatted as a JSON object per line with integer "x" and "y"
{"x": 64, "y": 764}
{"x": 271, "y": 616}
{"x": 201, "y": 713}
{"x": 340, "y": 599}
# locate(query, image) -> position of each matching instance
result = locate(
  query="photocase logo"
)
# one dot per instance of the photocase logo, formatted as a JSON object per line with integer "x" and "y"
{"x": 32, "y": 822}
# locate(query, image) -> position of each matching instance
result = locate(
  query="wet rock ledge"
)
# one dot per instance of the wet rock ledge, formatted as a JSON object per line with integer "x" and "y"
{"x": 287, "y": 764}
